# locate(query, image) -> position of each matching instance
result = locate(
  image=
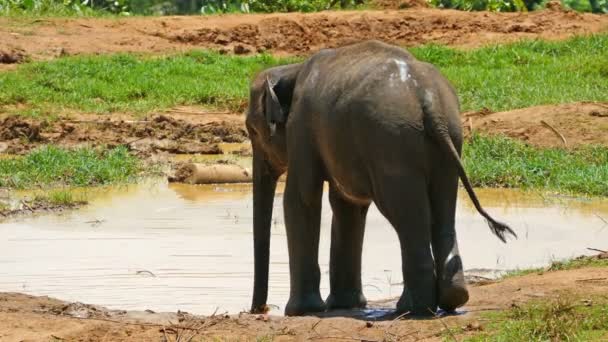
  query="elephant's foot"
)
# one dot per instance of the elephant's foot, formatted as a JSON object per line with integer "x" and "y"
{"x": 452, "y": 296}
{"x": 304, "y": 304}
{"x": 423, "y": 304}
{"x": 353, "y": 299}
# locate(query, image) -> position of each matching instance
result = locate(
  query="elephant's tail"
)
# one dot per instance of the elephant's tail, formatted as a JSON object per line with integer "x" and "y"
{"x": 439, "y": 128}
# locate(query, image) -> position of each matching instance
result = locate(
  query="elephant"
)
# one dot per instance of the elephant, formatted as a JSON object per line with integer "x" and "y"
{"x": 378, "y": 126}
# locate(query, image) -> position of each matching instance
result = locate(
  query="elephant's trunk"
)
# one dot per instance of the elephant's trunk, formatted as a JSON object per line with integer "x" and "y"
{"x": 264, "y": 186}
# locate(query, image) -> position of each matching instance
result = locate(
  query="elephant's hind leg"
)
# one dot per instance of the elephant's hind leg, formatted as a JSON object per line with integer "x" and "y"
{"x": 347, "y": 230}
{"x": 451, "y": 286}
{"x": 404, "y": 201}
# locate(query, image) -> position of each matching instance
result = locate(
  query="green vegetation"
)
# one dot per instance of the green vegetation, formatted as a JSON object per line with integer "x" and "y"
{"x": 498, "y": 77}
{"x": 129, "y": 83}
{"x": 558, "y": 320}
{"x": 51, "y": 166}
{"x": 502, "y": 162}
{"x": 596, "y": 6}
{"x": 580, "y": 262}
{"x": 63, "y": 8}
{"x": 59, "y": 198}
{"x": 162, "y": 7}
{"x": 524, "y": 74}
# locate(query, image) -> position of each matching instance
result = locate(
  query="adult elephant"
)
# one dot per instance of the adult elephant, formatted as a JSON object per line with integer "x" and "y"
{"x": 379, "y": 126}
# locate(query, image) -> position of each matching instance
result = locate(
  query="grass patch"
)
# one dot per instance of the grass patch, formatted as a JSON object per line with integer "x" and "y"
{"x": 497, "y": 77}
{"x": 130, "y": 83}
{"x": 496, "y": 161}
{"x": 59, "y": 198}
{"x": 524, "y": 74}
{"x": 559, "y": 320}
{"x": 51, "y": 166}
{"x": 579, "y": 262}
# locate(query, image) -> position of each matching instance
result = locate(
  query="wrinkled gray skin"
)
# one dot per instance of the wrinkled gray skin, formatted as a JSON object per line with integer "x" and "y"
{"x": 379, "y": 126}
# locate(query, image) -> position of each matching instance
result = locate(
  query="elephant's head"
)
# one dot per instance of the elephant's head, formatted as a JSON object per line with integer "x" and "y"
{"x": 269, "y": 104}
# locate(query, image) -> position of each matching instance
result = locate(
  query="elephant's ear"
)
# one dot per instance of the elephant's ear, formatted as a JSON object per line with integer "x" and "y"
{"x": 273, "y": 110}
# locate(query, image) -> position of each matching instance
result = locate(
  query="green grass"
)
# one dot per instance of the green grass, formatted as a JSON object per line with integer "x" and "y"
{"x": 580, "y": 262}
{"x": 63, "y": 197}
{"x": 498, "y": 77}
{"x": 561, "y": 319}
{"x": 526, "y": 73}
{"x": 48, "y": 8}
{"x": 51, "y": 166}
{"x": 496, "y": 161}
{"x": 129, "y": 83}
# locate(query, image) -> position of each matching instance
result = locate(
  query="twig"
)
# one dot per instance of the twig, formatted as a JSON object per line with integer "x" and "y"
{"x": 165, "y": 334}
{"x": 111, "y": 321}
{"x": 555, "y": 131}
{"x": 177, "y": 111}
{"x": 591, "y": 279}
{"x": 597, "y": 250}
{"x": 470, "y": 125}
{"x": 145, "y": 272}
{"x": 107, "y": 121}
{"x": 315, "y": 325}
{"x": 134, "y": 140}
{"x": 445, "y": 325}
{"x": 386, "y": 330}
{"x": 27, "y": 206}
{"x": 339, "y": 338}
{"x": 600, "y": 104}
{"x": 601, "y": 218}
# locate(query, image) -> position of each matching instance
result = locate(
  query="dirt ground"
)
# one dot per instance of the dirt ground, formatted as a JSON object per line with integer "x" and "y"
{"x": 581, "y": 123}
{"x": 28, "y": 318}
{"x": 190, "y": 130}
{"x": 291, "y": 33}
{"x": 182, "y": 130}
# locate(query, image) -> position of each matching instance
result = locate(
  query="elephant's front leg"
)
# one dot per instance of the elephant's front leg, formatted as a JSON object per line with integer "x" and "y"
{"x": 347, "y": 230}
{"x": 302, "y": 205}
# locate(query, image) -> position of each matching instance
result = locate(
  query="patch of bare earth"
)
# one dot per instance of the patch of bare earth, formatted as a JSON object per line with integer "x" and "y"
{"x": 181, "y": 130}
{"x": 190, "y": 130}
{"x": 289, "y": 33}
{"x": 28, "y": 318}
{"x": 565, "y": 125}
{"x": 34, "y": 206}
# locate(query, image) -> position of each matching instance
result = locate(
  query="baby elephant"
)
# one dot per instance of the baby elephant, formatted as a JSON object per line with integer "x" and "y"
{"x": 377, "y": 125}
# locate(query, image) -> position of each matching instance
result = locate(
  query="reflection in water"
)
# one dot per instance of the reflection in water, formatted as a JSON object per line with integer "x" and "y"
{"x": 168, "y": 247}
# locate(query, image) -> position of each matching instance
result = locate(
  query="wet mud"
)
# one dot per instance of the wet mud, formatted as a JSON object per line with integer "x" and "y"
{"x": 156, "y": 134}
{"x": 10, "y": 209}
{"x": 12, "y": 56}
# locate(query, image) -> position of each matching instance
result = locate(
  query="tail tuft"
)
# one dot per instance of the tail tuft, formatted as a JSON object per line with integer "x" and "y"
{"x": 500, "y": 230}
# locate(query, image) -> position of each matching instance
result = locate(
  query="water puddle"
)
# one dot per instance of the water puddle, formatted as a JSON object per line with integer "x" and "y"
{"x": 168, "y": 247}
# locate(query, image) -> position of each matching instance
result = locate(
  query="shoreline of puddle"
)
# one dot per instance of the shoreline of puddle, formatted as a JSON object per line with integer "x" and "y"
{"x": 168, "y": 247}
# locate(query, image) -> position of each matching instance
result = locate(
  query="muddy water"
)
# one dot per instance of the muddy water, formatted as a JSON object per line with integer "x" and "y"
{"x": 167, "y": 247}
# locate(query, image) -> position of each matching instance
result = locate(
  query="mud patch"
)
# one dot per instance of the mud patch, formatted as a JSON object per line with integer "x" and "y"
{"x": 584, "y": 123}
{"x": 16, "y": 128}
{"x": 159, "y": 133}
{"x": 35, "y": 206}
{"x": 12, "y": 56}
